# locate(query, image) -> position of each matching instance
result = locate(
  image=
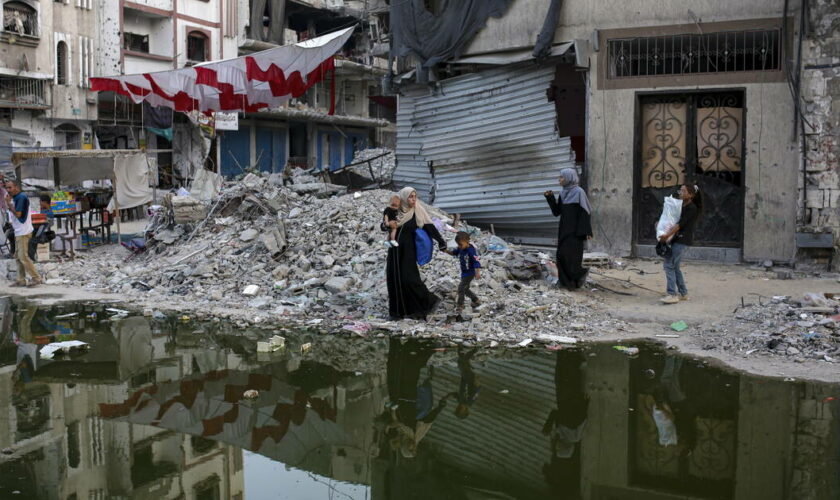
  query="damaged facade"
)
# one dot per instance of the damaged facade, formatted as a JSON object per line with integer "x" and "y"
{"x": 644, "y": 98}
{"x": 302, "y": 132}
{"x": 157, "y": 35}
{"x": 47, "y": 53}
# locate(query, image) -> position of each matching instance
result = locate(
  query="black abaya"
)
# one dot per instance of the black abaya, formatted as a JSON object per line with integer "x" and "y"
{"x": 407, "y": 295}
{"x": 575, "y": 227}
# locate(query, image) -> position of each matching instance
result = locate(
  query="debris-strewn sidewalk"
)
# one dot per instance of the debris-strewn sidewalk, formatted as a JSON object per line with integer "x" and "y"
{"x": 799, "y": 328}
{"x": 311, "y": 254}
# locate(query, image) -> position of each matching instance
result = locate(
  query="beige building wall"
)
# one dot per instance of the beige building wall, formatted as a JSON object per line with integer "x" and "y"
{"x": 771, "y": 157}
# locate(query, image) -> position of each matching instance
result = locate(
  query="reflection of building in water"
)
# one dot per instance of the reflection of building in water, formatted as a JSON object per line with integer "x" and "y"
{"x": 152, "y": 411}
{"x": 306, "y": 415}
{"x": 55, "y": 445}
{"x": 715, "y": 434}
{"x": 736, "y": 436}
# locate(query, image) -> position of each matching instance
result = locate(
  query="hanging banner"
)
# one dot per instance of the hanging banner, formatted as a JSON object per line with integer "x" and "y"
{"x": 261, "y": 80}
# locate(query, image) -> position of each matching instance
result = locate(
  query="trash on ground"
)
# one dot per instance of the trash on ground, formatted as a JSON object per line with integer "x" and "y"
{"x": 679, "y": 326}
{"x": 68, "y": 346}
{"x": 630, "y": 351}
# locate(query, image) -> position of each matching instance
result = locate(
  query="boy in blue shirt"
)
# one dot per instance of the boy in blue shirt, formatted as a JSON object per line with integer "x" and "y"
{"x": 470, "y": 268}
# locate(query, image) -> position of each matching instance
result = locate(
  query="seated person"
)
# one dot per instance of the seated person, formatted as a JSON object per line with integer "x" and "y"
{"x": 46, "y": 206}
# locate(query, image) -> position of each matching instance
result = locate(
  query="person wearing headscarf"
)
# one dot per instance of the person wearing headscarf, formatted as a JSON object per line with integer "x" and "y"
{"x": 573, "y": 208}
{"x": 407, "y": 295}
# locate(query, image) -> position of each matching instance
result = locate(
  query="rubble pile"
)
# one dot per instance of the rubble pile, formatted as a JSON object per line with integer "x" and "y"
{"x": 313, "y": 255}
{"x": 800, "y": 328}
{"x": 383, "y": 165}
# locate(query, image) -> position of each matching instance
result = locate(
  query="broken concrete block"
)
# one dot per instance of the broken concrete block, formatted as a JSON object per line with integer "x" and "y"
{"x": 328, "y": 260}
{"x": 274, "y": 240}
{"x": 280, "y": 272}
{"x": 251, "y": 290}
{"x": 249, "y": 234}
{"x": 188, "y": 209}
{"x": 260, "y": 303}
{"x": 252, "y": 181}
{"x": 277, "y": 341}
{"x": 338, "y": 284}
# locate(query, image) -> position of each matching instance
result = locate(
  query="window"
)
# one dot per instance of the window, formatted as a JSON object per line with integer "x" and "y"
{"x": 61, "y": 63}
{"x": 687, "y": 54}
{"x": 20, "y": 18}
{"x": 74, "y": 452}
{"x": 68, "y": 136}
{"x": 136, "y": 43}
{"x": 197, "y": 46}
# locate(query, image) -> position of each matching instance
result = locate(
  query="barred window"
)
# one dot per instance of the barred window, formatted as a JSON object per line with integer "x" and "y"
{"x": 20, "y": 18}
{"x": 689, "y": 54}
{"x": 62, "y": 61}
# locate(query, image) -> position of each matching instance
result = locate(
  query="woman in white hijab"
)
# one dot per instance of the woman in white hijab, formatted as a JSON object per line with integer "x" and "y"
{"x": 407, "y": 295}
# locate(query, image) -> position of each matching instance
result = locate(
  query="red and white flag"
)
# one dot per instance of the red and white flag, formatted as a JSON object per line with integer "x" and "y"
{"x": 265, "y": 79}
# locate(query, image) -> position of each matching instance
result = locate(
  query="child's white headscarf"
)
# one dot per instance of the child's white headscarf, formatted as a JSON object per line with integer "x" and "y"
{"x": 406, "y": 213}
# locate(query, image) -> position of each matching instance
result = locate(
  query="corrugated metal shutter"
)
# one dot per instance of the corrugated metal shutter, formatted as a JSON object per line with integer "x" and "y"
{"x": 492, "y": 142}
{"x": 503, "y": 433}
{"x": 412, "y": 169}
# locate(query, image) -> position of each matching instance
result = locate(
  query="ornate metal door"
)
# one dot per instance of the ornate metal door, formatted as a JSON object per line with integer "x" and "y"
{"x": 697, "y": 139}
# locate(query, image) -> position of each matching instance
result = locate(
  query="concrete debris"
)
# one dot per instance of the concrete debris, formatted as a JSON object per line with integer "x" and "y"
{"x": 382, "y": 165}
{"x": 311, "y": 252}
{"x": 187, "y": 209}
{"x": 784, "y": 326}
{"x": 249, "y": 234}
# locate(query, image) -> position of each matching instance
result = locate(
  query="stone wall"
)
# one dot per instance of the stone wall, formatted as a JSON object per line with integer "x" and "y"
{"x": 814, "y": 463}
{"x": 821, "y": 111}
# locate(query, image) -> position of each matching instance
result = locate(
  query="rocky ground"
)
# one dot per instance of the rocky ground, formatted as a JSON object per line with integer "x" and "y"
{"x": 312, "y": 255}
{"x": 799, "y": 328}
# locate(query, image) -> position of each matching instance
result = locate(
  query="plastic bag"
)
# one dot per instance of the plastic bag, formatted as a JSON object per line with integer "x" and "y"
{"x": 497, "y": 245}
{"x": 423, "y": 246}
{"x": 665, "y": 426}
{"x": 671, "y": 210}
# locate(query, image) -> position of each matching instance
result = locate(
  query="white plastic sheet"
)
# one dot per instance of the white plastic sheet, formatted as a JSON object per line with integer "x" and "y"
{"x": 132, "y": 182}
{"x": 671, "y": 210}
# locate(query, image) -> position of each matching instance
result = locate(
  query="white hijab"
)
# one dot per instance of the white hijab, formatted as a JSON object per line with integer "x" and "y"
{"x": 406, "y": 212}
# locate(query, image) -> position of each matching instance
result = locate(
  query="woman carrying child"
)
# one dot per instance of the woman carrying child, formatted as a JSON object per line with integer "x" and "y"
{"x": 407, "y": 295}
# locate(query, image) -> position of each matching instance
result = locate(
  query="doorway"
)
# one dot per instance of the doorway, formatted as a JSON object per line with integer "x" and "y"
{"x": 693, "y": 138}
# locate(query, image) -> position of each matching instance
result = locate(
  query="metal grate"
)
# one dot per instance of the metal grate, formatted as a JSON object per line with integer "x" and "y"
{"x": 20, "y": 18}
{"x": 722, "y": 52}
{"x": 22, "y": 93}
{"x": 61, "y": 63}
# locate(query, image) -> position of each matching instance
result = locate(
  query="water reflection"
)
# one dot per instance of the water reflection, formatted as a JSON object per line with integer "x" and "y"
{"x": 166, "y": 409}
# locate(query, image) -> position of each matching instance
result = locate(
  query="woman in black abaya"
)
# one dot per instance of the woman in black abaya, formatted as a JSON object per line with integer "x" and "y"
{"x": 572, "y": 206}
{"x": 407, "y": 295}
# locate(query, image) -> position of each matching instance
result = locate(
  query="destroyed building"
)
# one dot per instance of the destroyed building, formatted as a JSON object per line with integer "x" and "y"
{"x": 46, "y": 56}
{"x": 304, "y": 132}
{"x": 339, "y": 116}
{"x": 735, "y": 98}
{"x": 148, "y": 36}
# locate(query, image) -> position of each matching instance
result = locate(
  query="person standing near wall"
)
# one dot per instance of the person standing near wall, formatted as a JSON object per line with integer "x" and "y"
{"x": 573, "y": 208}
{"x": 18, "y": 205}
{"x": 683, "y": 233}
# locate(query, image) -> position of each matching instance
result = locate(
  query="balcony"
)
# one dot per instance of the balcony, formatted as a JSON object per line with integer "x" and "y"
{"x": 23, "y": 93}
{"x": 20, "y": 24}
